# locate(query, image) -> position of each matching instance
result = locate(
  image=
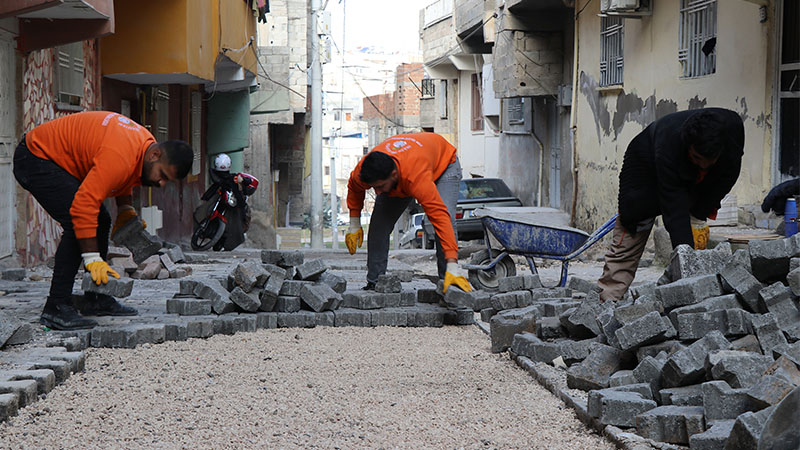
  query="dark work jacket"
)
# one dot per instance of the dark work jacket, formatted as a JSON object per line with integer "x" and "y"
{"x": 657, "y": 177}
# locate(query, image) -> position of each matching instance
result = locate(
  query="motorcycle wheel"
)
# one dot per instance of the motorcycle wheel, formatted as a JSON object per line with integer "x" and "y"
{"x": 207, "y": 234}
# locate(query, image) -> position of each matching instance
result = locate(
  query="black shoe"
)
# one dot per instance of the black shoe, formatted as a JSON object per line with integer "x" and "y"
{"x": 61, "y": 315}
{"x": 92, "y": 304}
{"x": 369, "y": 287}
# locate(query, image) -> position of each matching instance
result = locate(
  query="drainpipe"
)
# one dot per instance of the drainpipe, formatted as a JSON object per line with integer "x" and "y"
{"x": 541, "y": 155}
{"x": 574, "y": 117}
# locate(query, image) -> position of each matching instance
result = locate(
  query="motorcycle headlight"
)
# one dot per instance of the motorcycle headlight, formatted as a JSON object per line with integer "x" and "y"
{"x": 231, "y": 199}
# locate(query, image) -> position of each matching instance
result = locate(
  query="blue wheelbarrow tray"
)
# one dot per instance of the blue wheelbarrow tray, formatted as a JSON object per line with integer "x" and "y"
{"x": 535, "y": 233}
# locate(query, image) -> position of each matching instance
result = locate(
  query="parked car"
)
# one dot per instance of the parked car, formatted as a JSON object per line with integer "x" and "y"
{"x": 412, "y": 237}
{"x": 473, "y": 193}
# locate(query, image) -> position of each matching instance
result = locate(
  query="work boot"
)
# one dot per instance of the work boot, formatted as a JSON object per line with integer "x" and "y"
{"x": 59, "y": 314}
{"x": 91, "y": 304}
{"x": 369, "y": 287}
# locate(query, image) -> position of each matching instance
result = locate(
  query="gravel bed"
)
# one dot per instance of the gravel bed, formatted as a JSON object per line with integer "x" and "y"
{"x": 303, "y": 388}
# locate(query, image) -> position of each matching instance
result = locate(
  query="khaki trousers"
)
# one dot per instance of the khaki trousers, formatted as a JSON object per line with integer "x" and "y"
{"x": 622, "y": 260}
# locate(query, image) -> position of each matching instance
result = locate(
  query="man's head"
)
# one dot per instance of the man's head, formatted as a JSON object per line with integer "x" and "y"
{"x": 166, "y": 161}
{"x": 703, "y": 134}
{"x": 380, "y": 172}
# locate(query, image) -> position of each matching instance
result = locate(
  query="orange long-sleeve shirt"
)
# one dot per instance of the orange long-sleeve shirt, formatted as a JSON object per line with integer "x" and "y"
{"x": 421, "y": 158}
{"x": 104, "y": 150}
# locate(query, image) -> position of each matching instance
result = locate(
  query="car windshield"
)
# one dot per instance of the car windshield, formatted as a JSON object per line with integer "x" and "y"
{"x": 418, "y": 219}
{"x": 483, "y": 188}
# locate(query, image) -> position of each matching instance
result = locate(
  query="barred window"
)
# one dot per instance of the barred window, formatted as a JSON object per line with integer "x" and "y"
{"x": 698, "y": 38}
{"x": 612, "y": 34}
{"x": 428, "y": 88}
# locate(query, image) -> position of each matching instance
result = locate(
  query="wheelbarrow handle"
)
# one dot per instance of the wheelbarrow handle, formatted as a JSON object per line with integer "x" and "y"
{"x": 594, "y": 237}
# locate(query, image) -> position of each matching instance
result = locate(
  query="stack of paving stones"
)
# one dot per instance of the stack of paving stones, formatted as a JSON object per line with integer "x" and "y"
{"x": 28, "y": 376}
{"x": 701, "y": 358}
{"x": 159, "y": 266}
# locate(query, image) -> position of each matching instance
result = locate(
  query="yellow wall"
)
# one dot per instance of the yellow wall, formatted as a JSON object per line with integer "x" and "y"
{"x": 177, "y": 36}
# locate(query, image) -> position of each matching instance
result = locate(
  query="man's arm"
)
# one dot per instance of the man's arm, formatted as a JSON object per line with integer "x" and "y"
{"x": 674, "y": 201}
{"x": 428, "y": 197}
{"x": 124, "y": 202}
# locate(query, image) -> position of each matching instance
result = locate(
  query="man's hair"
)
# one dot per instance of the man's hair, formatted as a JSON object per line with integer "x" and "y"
{"x": 705, "y": 132}
{"x": 376, "y": 166}
{"x": 178, "y": 154}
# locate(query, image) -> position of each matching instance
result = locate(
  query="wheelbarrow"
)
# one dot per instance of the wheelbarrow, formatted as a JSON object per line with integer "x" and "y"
{"x": 530, "y": 235}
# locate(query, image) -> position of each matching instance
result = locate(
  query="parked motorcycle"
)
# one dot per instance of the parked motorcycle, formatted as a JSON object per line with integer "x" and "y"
{"x": 225, "y": 216}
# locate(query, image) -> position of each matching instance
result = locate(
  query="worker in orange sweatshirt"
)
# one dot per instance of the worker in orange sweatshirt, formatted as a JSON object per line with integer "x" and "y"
{"x": 71, "y": 165}
{"x": 423, "y": 166}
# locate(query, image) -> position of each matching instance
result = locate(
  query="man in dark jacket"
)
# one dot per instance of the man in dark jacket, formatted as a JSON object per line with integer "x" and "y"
{"x": 679, "y": 167}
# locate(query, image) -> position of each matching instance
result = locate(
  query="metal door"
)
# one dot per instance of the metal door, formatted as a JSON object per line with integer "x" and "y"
{"x": 554, "y": 132}
{"x": 7, "y": 143}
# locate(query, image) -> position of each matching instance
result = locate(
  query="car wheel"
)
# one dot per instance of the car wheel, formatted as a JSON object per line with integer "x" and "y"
{"x": 489, "y": 280}
{"x": 427, "y": 241}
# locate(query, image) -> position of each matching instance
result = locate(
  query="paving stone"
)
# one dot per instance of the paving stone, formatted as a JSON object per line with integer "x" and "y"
{"x": 392, "y": 300}
{"x": 409, "y": 297}
{"x": 643, "y": 290}
{"x": 115, "y": 287}
{"x": 528, "y": 345}
{"x": 127, "y": 264}
{"x": 617, "y": 408}
{"x": 769, "y": 335}
{"x": 786, "y": 369}
{"x": 507, "y": 300}
{"x": 475, "y": 300}
{"x": 505, "y": 324}
{"x": 780, "y": 430}
{"x": 425, "y": 316}
{"x": 311, "y": 270}
{"x": 744, "y": 284}
{"x": 747, "y": 430}
{"x": 8, "y": 326}
{"x": 629, "y": 313}
{"x": 791, "y": 351}
{"x": 13, "y": 274}
{"x": 683, "y": 396}
{"x": 388, "y": 284}
{"x": 266, "y": 320}
{"x": 336, "y": 282}
{"x": 300, "y": 319}
{"x": 687, "y": 262}
{"x": 189, "y": 306}
{"x": 688, "y": 291}
{"x": 609, "y": 325}
{"x": 649, "y": 371}
{"x": 672, "y": 424}
{"x": 226, "y": 324}
{"x": 577, "y": 284}
{"x": 728, "y": 301}
{"x": 324, "y": 319}
{"x": 389, "y": 317}
{"x": 282, "y": 257}
{"x": 721, "y": 402}
{"x": 459, "y": 316}
{"x": 135, "y": 238}
{"x": 575, "y": 351}
{"x": 45, "y": 378}
{"x": 25, "y": 391}
{"x": 168, "y": 264}
{"x": 487, "y": 313}
{"x": 747, "y": 343}
{"x": 729, "y": 322}
{"x": 249, "y": 275}
{"x": 687, "y": 366}
{"x": 292, "y": 288}
{"x": 61, "y": 369}
{"x": 128, "y": 336}
{"x": 319, "y": 297}
{"x": 668, "y": 347}
{"x": 163, "y": 274}
{"x": 714, "y": 438}
{"x": 582, "y": 323}
{"x": 287, "y": 304}
{"x": 404, "y": 275}
{"x": 594, "y": 371}
{"x": 557, "y": 292}
{"x": 770, "y": 259}
{"x": 175, "y": 331}
{"x": 347, "y": 317}
{"x": 247, "y": 302}
{"x": 648, "y": 329}
{"x": 510, "y": 284}
{"x": 198, "y": 327}
{"x": 9, "y": 404}
{"x": 186, "y": 287}
{"x": 557, "y": 306}
{"x": 428, "y": 296}
{"x": 549, "y": 328}
{"x": 622, "y": 378}
{"x": 363, "y": 300}
{"x": 175, "y": 253}
{"x": 792, "y": 332}
{"x": 739, "y": 369}
{"x": 273, "y": 286}
{"x": 768, "y": 391}
{"x": 777, "y": 299}
{"x": 213, "y": 290}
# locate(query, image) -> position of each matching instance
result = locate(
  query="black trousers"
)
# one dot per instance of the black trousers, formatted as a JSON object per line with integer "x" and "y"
{"x": 54, "y": 188}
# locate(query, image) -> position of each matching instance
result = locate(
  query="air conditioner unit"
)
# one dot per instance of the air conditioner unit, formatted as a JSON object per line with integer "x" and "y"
{"x": 605, "y": 6}
{"x": 624, "y": 5}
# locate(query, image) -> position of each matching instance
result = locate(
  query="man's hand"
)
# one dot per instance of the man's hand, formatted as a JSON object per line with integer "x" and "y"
{"x": 125, "y": 215}
{"x": 99, "y": 269}
{"x": 455, "y": 275}
{"x": 355, "y": 235}
{"x": 700, "y": 233}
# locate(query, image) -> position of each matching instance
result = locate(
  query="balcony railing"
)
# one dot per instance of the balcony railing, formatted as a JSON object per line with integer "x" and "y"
{"x": 438, "y": 11}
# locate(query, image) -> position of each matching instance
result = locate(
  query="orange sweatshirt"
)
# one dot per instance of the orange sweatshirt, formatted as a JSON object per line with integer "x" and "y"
{"x": 421, "y": 158}
{"x": 104, "y": 150}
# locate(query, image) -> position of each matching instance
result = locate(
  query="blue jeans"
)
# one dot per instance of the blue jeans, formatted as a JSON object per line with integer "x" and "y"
{"x": 388, "y": 209}
{"x": 54, "y": 188}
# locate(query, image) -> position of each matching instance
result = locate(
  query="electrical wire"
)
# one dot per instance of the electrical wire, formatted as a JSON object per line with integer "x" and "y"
{"x": 266, "y": 75}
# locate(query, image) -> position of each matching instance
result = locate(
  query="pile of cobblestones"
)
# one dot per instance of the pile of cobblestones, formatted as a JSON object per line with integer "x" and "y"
{"x": 701, "y": 358}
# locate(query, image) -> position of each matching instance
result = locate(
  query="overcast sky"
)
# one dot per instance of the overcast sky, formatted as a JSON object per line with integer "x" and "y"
{"x": 391, "y": 24}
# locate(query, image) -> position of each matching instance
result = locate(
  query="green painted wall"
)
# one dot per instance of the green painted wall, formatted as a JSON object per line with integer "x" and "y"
{"x": 229, "y": 125}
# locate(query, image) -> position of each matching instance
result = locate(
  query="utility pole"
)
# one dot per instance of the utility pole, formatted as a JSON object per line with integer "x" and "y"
{"x": 316, "y": 128}
{"x": 336, "y": 153}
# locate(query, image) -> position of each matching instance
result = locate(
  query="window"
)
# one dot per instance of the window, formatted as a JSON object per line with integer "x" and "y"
{"x": 442, "y": 99}
{"x": 327, "y": 170}
{"x": 69, "y": 73}
{"x": 698, "y": 37}
{"x": 611, "y": 59}
{"x": 477, "y": 112}
{"x": 515, "y": 108}
{"x": 428, "y": 88}
{"x": 347, "y": 117}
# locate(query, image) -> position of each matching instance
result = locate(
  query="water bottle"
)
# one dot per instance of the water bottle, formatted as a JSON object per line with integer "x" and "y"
{"x": 790, "y": 216}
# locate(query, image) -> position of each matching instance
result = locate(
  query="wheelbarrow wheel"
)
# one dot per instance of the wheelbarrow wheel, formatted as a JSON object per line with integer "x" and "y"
{"x": 489, "y": 280}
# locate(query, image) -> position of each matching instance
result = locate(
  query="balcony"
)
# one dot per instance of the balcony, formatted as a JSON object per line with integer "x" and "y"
{"x": 469, "y": 17}
{"x": 47, "y": 23}
{"x": 525, "y": 7}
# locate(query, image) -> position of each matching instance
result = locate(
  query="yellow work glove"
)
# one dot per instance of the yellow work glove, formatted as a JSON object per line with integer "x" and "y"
{"x": 699, "y": 233}
{"x": 99, "y": 269}
{"x": 124, "y": 216}
{"x": 454, "y": 275}
{"x": 355, "y": 235}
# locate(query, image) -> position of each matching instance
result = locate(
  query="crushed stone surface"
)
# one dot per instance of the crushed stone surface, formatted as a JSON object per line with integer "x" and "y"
{"x": 303, "y": 388}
